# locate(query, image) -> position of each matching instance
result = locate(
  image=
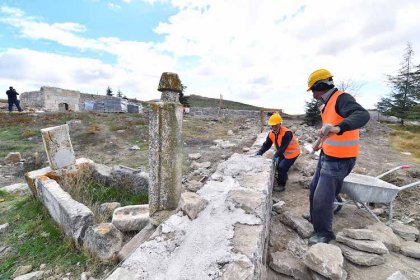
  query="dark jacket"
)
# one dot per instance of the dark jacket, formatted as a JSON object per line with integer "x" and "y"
{"x": 12, "y": 94}
{"x": 280, "y": 150}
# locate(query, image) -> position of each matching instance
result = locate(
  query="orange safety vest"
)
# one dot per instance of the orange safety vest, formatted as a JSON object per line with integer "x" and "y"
{"x": 340, "y": 146}
{"x": 292, "y": 150}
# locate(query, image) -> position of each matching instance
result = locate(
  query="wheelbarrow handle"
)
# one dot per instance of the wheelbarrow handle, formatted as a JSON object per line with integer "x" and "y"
{"x": 412, "y": 185}
{"x": 394, "y": 169}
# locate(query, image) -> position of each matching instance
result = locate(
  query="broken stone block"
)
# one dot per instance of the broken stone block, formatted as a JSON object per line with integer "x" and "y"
{"x": 359, "y": 234}
{"x": 58, "y": 146}
{"x": 3, "y": 227}
{"x": 37, "y": 275}
{"x": 285, "y": 263}
{"x": 198, "y": 165}
{"x": 278, "y": 207}
{"x": 194, "y": 156}
{"x": 135, "y": 182}
{"x": 192, "y": 204}
{"x": 19, "y": 188}
{"x": 406, "y": 232}
{"x": 410, "y": 249}
{"x": 239, "y": 269}
{"x": 72, "y": 215}
{"x": 107, "y": 209}
{"x": 397, "y": 275}
{"x": 21, "y": 270}
{"x": 129, "y": 218}
{"x": 385, "y": 234}
{"x": 370, "y": 246}
{"x": 194, "y": 185}
{"x": 326, "y": 259}
{"x": 13, "y": 157}
{"x": 301, "y": 225}
{"x": 103, "y": 241}
{"x": 359, "y": 257}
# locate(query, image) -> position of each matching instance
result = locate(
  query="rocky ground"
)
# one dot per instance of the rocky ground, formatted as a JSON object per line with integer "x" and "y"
{"x": 209, "y": 142}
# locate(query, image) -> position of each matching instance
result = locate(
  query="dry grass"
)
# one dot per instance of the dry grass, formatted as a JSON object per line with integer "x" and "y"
{"x": 406, "y": 139}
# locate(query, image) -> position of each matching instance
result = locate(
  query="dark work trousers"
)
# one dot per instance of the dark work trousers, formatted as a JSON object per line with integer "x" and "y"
{"x": 16, "y": 102}
{"x": 283, "y": 166}
{"x": 326, "y": 184}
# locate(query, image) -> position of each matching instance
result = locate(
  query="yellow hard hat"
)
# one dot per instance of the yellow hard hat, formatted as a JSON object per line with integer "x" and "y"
{"x": 275, "y": 119}
{"x": 318, "y": 75}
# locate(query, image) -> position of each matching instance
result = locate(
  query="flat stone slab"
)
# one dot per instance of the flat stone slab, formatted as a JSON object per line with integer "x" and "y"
{"x": 360, "y": 234}
{"x": 301, "y": 225}
{"x": 129, "y": 218}
{"x": 37, "y": 275}
{"x": 72, "y": 215}
{"x": 397, "y": 275}
{"x": 406, "y": 232}
{"x": 359, "y": 257}
{"x": 285, "y": 263}
{"x": 411, "y": 249}
{"x": 369, "y": 246}
{"x": 58, "y": 146}
{"x": 386, "y": 236}
{"x": 194, "y": 156}
{"x": 325, "y": 259}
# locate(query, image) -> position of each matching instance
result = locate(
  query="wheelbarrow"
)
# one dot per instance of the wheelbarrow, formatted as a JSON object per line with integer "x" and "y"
{"x": 363, "y": 189}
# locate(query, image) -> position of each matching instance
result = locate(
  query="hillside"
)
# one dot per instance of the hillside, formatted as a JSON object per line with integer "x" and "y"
{"x": 200, "y": 101}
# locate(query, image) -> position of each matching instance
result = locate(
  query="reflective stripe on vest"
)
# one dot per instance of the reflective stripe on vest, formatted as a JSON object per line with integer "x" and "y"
{"x": 292, "y": 150}
{"x": 340, "y": 146}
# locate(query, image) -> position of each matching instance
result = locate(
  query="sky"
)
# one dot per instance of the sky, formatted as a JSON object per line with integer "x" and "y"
{"x": 258, "y": 52}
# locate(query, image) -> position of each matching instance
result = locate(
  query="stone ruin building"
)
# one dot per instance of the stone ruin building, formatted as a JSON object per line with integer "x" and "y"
{"x": 54, "y": 99}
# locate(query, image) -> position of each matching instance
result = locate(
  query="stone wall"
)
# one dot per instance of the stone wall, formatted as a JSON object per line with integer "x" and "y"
{"x": 226, "y": 238}
{"x": 226, "y": 113}
{"x": 34, "y": 99}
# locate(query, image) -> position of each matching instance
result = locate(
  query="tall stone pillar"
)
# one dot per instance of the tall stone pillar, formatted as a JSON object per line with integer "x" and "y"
{"x": 165, "y": 149}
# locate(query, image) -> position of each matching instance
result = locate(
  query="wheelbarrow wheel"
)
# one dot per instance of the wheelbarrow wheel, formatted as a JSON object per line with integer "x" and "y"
{"x": 337, "y": 207}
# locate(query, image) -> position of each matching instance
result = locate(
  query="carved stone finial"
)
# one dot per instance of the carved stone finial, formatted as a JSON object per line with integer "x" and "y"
{"x": 170, "y": 82}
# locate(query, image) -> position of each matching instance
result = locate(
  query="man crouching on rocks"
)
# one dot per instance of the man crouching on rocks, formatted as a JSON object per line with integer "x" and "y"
{"x": 342, "y": 117}
{"x": 287, "y": 147}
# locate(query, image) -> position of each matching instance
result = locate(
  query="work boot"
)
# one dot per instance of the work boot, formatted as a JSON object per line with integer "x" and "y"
{"x": 315, "y": 239}
{"x": 279, "y": 188}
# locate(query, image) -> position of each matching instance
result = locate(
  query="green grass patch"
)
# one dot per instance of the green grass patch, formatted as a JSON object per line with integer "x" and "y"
{"x": 11, "y": 140}
{"x": 34, "y": 237}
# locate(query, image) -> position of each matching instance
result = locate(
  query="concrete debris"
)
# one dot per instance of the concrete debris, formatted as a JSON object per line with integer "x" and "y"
{"x": 410, "y": 249}
{"x": 406, "y": 232}
{"x": 370, "y": 246}
{"x": 325, "y": 259}
{"x": 132, "y": 217}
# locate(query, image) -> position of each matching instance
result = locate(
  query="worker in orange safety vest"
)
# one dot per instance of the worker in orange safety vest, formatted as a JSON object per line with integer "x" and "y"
{"x": 341, "y": 117}
{"x": 287, "y": 149}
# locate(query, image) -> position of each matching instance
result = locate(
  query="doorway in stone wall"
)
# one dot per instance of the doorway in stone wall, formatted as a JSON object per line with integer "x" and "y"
{"x": 63, "y": 107}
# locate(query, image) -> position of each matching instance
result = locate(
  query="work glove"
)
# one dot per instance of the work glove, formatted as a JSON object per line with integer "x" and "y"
{"x": 275, "y": 157}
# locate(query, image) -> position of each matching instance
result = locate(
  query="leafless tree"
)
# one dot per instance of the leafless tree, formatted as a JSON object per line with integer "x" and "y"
{"x": 350, "y": 86}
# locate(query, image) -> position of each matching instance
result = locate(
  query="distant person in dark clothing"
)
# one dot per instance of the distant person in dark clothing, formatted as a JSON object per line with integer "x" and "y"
{"x": 12, "y": 99}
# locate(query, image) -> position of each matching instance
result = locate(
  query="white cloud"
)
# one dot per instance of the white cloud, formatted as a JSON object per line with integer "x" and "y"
{"x": 258, "y": 52}
{"x": 114, "y": 6}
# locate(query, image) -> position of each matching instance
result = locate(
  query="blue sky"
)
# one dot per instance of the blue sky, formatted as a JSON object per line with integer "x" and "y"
{"x": 254, "y": 51}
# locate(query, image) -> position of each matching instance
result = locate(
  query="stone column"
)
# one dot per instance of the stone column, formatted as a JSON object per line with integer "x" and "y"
{"x": 58, "y": 146}
{"x": 165, "y": 149}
